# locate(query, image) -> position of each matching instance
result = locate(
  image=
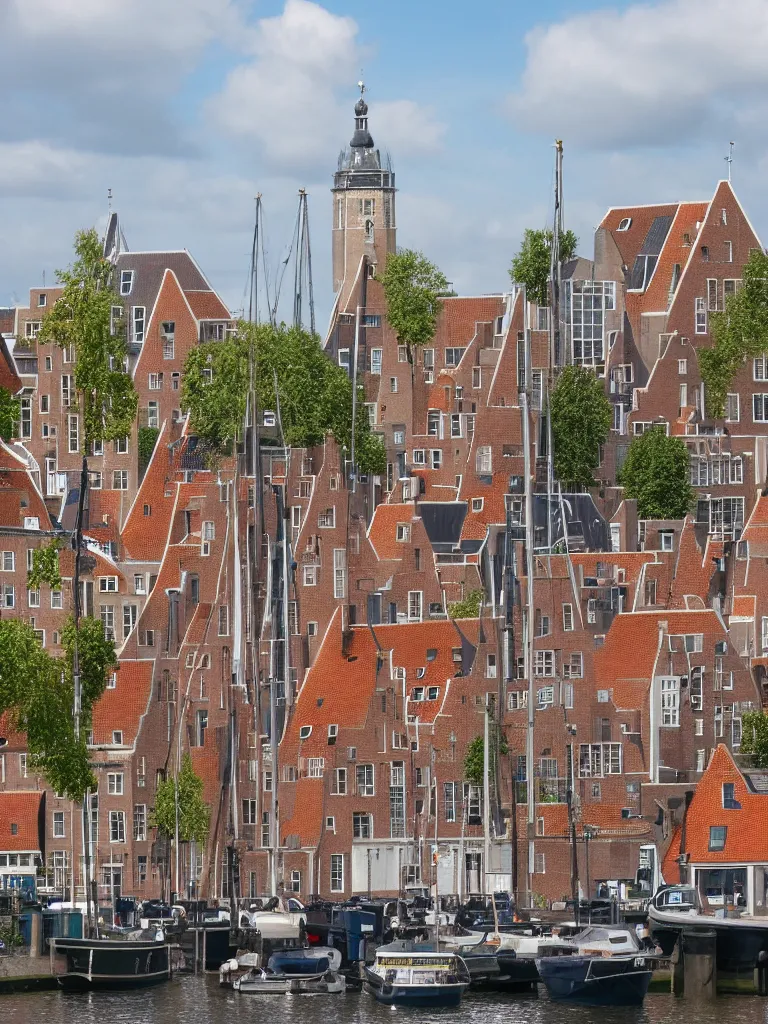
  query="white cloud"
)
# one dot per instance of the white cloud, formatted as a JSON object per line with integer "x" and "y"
{"x": 293, "y": 99}
{"x": 651, "y": 74}
{"x": 36, "y": 169}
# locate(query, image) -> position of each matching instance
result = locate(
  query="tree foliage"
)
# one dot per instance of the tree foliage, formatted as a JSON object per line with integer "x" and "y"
{"x": 194, "y": 812}
{"x": 740, "y": 332}
{"x": 581, "y": 420}
{"x": 754, "y": 737}
{"x": 468, "y": 608}
{"x": 45, "y": 567}
{"x": 656, "y": 472}
{"x": 315, "y": 394}
{"x": 37, "y": 693}
{"x": 473, "y": 761}
{"x": 147, "y": 439}
{"x": 10, "y": 412}
{"x": 531, "y": 266}
{"x": 412, "y": 287}
{"x": 82, "y": 320}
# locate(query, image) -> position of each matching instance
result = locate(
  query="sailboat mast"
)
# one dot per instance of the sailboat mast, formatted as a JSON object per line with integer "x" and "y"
{"x": 529, "y": 618}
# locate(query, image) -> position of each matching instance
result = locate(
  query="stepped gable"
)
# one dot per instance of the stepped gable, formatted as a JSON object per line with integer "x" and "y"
{"x": 123, "y": 706}
{"x": 22, "y": 824}
{"x": 145, "y": 535}
{"x": 747, "y": 837}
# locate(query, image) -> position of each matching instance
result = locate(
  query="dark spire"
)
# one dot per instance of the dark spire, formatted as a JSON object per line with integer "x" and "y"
{"x": 362, "y": 138}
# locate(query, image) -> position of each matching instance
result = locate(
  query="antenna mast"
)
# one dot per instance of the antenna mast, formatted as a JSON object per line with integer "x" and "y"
{"x": 729, "y": 159}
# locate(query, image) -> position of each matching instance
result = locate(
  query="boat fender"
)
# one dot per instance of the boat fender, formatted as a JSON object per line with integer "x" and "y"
{"x": 232, "y": 965}
{"x": 762, "y": 956}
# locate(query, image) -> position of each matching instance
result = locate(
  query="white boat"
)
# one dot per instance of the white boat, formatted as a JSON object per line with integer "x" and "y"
{"x": 406, "y": 973}
{"x": 311, "y": 971}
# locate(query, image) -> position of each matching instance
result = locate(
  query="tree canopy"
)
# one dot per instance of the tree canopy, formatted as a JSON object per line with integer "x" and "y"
{"x": 468, "y": 607}
{"x": 315, "y": 394}
{"x": 657, "y": 473}
{"x": 581, "y": 419}
{"x": 740, "y": 332}
{"x": 754, "y": 737}
{"x": 83, "y": 321}
{"x": 10, "y": 411}
{"x": 412, "y": 287}
{"x": 37, "y": 695}
{"x": 532, "y": 265}
{"x": 194, "y": 812}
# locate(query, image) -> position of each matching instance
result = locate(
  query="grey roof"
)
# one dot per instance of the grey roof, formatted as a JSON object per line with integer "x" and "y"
{"x": 148, "y": 270}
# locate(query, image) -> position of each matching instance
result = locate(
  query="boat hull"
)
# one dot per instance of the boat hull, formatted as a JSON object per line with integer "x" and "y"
{"x": 281, "y": 985}
{"x": 596, "y": 981}
{"x": 413, "y": 995}
{"x": 111, "y": 964}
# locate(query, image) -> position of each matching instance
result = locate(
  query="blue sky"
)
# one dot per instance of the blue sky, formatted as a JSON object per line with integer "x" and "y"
{"x": 187, "y": 108}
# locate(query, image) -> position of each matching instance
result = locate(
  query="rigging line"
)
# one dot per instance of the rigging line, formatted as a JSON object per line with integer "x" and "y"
{"x": 309, "y": 271}
{"x": 285, "y": 263}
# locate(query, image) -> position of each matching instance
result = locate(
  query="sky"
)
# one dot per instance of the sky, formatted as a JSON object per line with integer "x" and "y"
{"x": 187, "y": 109}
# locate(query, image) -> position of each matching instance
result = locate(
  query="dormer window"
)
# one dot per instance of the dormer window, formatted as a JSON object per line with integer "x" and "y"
{"x": 126, "y": 282}
{"x": 117, "y": 738}
{"x": 624, "y": 224}
{"x": 305, "y": 732}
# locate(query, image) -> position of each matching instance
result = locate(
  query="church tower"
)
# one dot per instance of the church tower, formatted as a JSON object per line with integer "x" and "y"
{"x": 363, "y": 206}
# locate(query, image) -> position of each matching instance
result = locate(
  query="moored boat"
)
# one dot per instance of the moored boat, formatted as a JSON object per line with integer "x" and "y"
{"x": 294, "y": 972}
{"x": 597, "y": 980}
{"x": 122, "y": 963}
{"x": 406, "y": 973}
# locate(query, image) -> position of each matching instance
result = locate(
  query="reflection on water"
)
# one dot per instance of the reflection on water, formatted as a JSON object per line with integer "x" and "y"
{"x": 193, "y": 1000}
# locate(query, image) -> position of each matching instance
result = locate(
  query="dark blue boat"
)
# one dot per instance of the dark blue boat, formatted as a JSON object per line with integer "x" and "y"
{"x": 406, "y": 973}
{"x": 596, "y": 980}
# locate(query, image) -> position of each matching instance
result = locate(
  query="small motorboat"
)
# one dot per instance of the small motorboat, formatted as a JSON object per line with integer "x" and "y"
{"x": 606, "y": 967}
{"x": 306, "y": 972}
{"x": 406, "y": 973}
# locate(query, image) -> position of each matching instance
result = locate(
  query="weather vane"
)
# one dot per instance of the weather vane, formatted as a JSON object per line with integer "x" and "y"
{"x": 729, "y": 159}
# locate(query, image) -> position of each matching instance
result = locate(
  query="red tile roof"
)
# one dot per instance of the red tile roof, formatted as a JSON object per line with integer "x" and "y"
{"x": 22, "y": 810}
{"x": 747, "y": 836}
{"x": 459, "y": 317}
{"x": 382, "y": 533}
{"x": 9, "y": 379}
{"x": 207, "y": 306}
{"x": 307, "y": 818}
{"x": 145, "y": 536}
{"x": 122, "y": 707}
{"x": 670, "y": 869}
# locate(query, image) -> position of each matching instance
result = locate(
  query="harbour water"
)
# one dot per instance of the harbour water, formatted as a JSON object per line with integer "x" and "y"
{"x": 197, "y": 1000}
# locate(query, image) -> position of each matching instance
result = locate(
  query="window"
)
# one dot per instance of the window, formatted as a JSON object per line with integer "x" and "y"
{"x": 115, "y": 783}
{"x": 126, "y": 282}
{"x": 107, "y": 612}
{"x": 760, "y": 408}
{"x": 249, "y": 812}
{"x": 140, "y": 822}
{"x": 117, "y": 738}
{"x": 539, "y": 864}
{"x": 717, "y": 837}
{"x": 139, "y": 583}
{"x": 108, "y": 584}
{"x": 477, "y": 504}
{"x": 117, "y": 826}
{"x": 598, "y": 759}
{"x": 449, "y": 800}
{"x": 483, "y": 460}
{"x": 201, "y": 724}
{"x": 155, "y": 382}
{"x": 650, "y": 592}
{"x": 326, "y": 519}
{"x": 337, "y": 872}
{"x": 339, "y": 573}
{"x": 436, "y": 458}
{"x": 120, "y": 480}
{"x": 73, "y": 434}
{"x": 8, "y": 596}
{"x": 544, "y": 663}
{"x": 453, "y": 356}
{"x": 168, "y": 335}
{"x": 730, "y": 802}
{"x": 403, "y": 533}
{"x": 729, "y": 252}
{"x": 574, "y": 669}
{"x": 701, "y": 316}
{"x": 393, "y": 385}
{"x": 339, "y": 787}
{"x": 545, "y": 696}
{"x": 57, "y": 599}
{"x": 568, "y": 618}
{"x": 9, "y": 561}
{"x": 670, "y": 701}
{"x": 694, "y": 643}
{"x": 490, "y": 666}
{"x": 705, "y": 253}
{"x": 544, "y": 626}
{"x": 517, "y": 699}
{"x": 666, "y": 540}
{"x": 310, "y": 575}
{"x": 414, "y": 605}
{"x": 624, "y": 224}
{"x": 364, "y": 779}
{"x": 376, "y": 357}
{"x": 224, "y": 620}
{"x": 362, "y": 825}
{"x": 372, "y": 320}
{"x": 305, "y": 731}
{"x": 138, "y": 314}
{"x": 682, "y": 367}
{"x": 58, "y": 824}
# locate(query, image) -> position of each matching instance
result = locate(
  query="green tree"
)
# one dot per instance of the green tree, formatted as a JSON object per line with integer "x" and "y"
{"x": 740, "y": 332}
{"x": 754, "y": 737}
{"x": 531, "y": 266}
{"x": 473, "y": 761}
{"x": 468, "y": 608}
{"x": 82, "y": 321}
{"x": 412, "y": 287}
{"x": 315, "y": 394}
{"x": 656, "y": 472}
{"x": 581, "y": 419}
{"x": 37, "y": 692}
{"x": 10, "y": 413}
{"x": 194, "y": 812}
{"x": 45, "y": 567}
{"x": 147, "y": 440}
